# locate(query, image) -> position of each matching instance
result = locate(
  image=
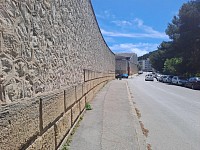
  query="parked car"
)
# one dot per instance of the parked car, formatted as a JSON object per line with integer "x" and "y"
{"x": 164, "y": 78}
{"x": 149, "y": 77}
{"x": 193, "y": 82}
{"x": 160, "y": 78}
{"x": 157, "y": 76}
{"x": 178, "y": 80}
{"x": 169, "y": 79}
{"x": 122, "y": 76}
{"x": 140, "y": 72}
{"x": 154, "y": 74}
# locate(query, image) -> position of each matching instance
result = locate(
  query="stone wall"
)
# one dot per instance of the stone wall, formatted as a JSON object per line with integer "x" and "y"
{"x": 53, "y": 59}
{"x": 45, "y": 45}
{"x": 44, "y": 121}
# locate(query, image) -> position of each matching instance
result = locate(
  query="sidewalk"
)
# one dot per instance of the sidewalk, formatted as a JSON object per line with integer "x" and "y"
{"x": 112, "y": 124}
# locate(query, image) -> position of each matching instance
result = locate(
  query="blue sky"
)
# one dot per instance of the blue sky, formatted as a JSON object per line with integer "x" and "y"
{"x": 135, "y": 25}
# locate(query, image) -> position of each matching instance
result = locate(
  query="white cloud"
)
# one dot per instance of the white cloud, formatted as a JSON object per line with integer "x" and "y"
{"x": 130, "y": 29}
{"x": 148, "y": 29}
{"x": 138, "y": 22}
{"x": 139, "y": 48}
{"x": 141, "y": 30}
{"x": 135, "y": 35}
{"x": 108, "y": 14}
{"x": 122, "y": 23}
{"x": 105, "y": 15}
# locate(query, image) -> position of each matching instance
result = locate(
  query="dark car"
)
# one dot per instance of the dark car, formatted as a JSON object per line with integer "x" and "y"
{"x": 193, "y": 83}
{"x": 169, "y": 79}
{"x": 119, "y": 76}
{"x": 160, "y": 78}
{"x": 164, "y": 78}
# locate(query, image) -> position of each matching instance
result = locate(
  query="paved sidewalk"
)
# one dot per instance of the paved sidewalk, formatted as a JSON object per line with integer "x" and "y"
{"x": 112, "y": 124}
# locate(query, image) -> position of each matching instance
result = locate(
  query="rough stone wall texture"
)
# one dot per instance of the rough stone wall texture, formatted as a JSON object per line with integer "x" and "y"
{"x": 45, "y": 45}
{"x": 42, "y": 123}
{"x": 18, "y": 122}
{"x": 53, "y": 59}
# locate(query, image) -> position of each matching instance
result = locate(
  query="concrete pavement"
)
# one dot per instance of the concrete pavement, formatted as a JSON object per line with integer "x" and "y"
{"x": 112, "y": 124}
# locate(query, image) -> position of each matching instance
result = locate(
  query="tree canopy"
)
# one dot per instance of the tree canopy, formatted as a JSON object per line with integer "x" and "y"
{"x": 181, "y": 55}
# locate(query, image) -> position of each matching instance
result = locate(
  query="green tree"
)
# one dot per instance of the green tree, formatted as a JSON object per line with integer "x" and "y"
{"x": 172, "y": 66}
{"x": 173, "y": 29}
{"x": 157, "y": 58}
{"x": 184, "y": 32}
{"x": 190, "y": 35}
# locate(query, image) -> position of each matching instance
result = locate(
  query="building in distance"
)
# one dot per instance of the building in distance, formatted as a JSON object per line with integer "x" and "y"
{"x": 126, "y": 63}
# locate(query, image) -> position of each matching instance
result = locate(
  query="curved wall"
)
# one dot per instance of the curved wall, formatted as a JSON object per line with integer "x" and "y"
{"x": 53, "y": 60}
{"x": 45, "y": 45}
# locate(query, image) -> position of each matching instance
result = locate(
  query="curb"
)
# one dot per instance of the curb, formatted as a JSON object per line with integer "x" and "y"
{"x": 142, "y": 144}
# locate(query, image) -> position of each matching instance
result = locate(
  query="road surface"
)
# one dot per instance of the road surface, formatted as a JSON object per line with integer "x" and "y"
{"x": 170, "y": 113}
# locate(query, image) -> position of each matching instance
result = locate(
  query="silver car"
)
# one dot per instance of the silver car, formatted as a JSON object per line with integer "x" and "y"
{"x": 149, "y": 77}
{"x": 179, "y": 80}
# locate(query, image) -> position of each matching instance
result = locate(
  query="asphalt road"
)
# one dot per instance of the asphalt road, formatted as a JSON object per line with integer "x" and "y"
{"x": 170, "y": 113}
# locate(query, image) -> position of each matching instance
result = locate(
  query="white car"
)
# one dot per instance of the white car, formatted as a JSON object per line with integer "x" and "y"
{"x": 179, "y": 80}
{"x": 140, "y": 72}
{"x": 149, "y": 77}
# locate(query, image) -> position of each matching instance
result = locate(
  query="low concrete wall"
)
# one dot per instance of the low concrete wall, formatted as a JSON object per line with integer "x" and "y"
{"x": 44, "y": 122}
